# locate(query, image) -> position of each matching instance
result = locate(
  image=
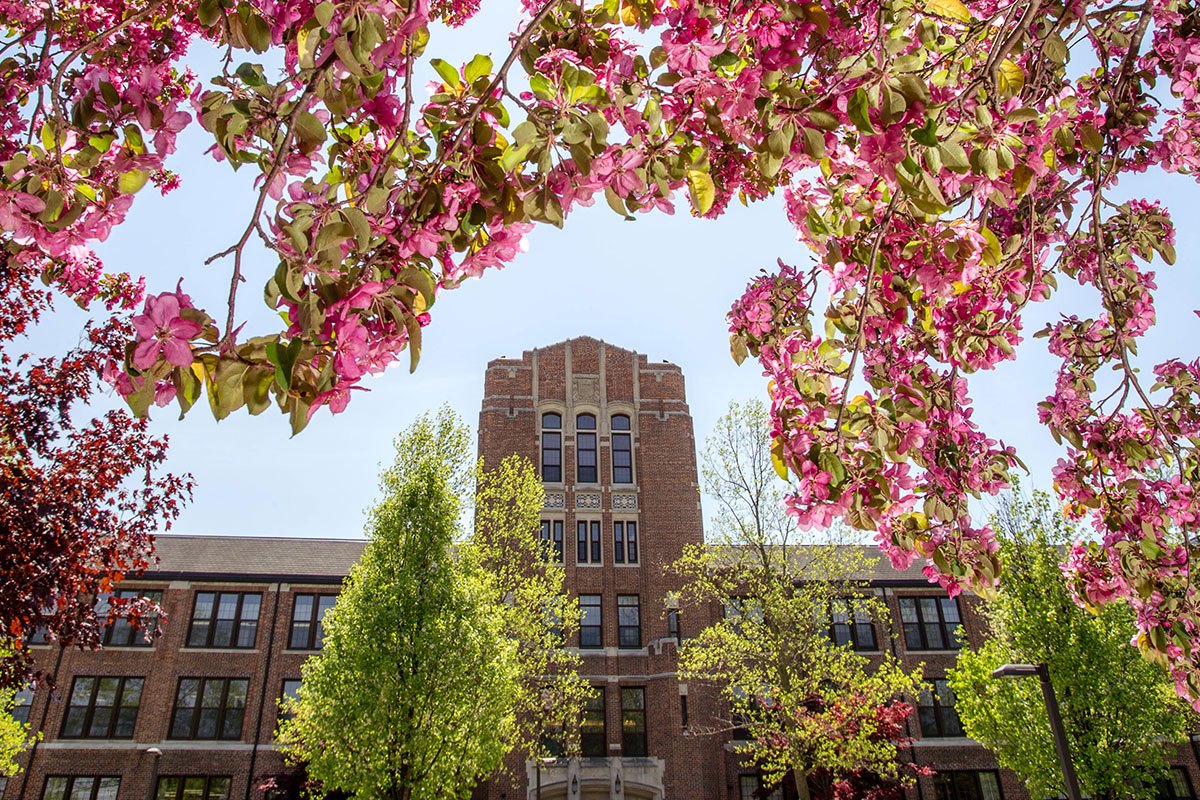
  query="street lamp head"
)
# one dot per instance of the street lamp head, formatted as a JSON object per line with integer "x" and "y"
{"x": 1017, "y": 670}
{"x": 548, "y": 761}
{"x": 153, "y": 751}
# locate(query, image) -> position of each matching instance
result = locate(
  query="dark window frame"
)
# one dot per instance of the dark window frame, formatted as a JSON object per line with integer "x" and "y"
{"x": 115, "y": 711}
{"x": 585, "y": 630}
{"x": 951, "y": 637}
{"x": 938, "y": 720}
{"x": 586, "y": 442}
{"x": 588, "y": 544}
{"x": 945, "y": 785}
{"x": 552, "y": 534}
{"x": 314, "y": 635}
{"x": 674, "y": 627}
{"x": 181, "y": 786}
{"x": 629, "y": 636}
{"x": 196, "y": 710}
{"x": 635, "y": 742}
{"x": 23, "y": 704}
{"x": 69, "y": 786}
{"x": 625, "y": 541}
{"x": 855, "y": 629}
{"x": 1169, "y": 784}
{"x": 551, "y": 434}
{"x": 120, "y": 632}
{"x": 594, "y": 743}
{"x": 239, "y": 621}
{"x": 284, "y": 694}
{"x": 622, "y": 449}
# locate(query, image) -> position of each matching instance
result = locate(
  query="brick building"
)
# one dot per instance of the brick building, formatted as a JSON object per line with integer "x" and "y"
{"x": 191, "y": 716}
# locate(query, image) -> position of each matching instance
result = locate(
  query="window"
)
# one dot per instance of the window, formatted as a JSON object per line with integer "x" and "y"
{"x": 552, "y": 538}
{"x": 935, "y": 706}
{"x": 683, "y": 712}
{"x": 291, "y": 691}
{"x": 851, "y": 626}
{"x": 1176, "y": 786}
{"x": 593, "y": 743}
{"x": 673, "y": 625}
{"x": 102, "y": 708}
{"x": 931, "y": 623}
{"x": 750, "y": 787}
{"x": 633, "y": 722}
{"x": 81, "y": 787}
{"x": 625, "y": 542}
{"x": 552, "y": 448}
{"x": 590, "y": 625}
{"x": 209, "y": 708}
{"x": 23, "y": 704}
{"x": 224, "y": 619}
{"x": 585, "y": 448}
{"x": 307, "y": 631}
{"x": 120, "y": 632}
{"x": 629, "y": 620}
{"x": 968, "y": 785}
{"x": 622, "y": 450}
{"x": 197, "y": 787}
{"x": 587, "y": 541}
{"x": 740, "y": 609}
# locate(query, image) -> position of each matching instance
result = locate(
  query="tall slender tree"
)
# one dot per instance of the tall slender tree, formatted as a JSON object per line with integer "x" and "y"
{"x": 812, "y": 709}
{"x": 439, "y": 643}
{"x": 1118, "y": 709}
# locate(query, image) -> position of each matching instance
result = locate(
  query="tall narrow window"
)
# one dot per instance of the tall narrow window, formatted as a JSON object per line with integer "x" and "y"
{"x": 625, "y": 542}
{"x": 192, "y": 787}
{"x": 591, "y": 633}
{"x": 552, "y": 448}
{"x": 585, "y": 448}
{"x": 209, "y": 708}
{"x": 552, "y": 539}
{"x": 81, "y": 787}
{"x": 587, "y": 541}
{"x": 633, "y": 722}
{"x": 23, "y": 704}
{"x": 291, "y": 691}
{"x": 102, "y": 708}
{"x": 629, "y": 620}
{"x": 673, "y": 625}
{"x": 622, "y": 449}
{"x": 683, "y": 712}
{"x": 593, "y": 741}
{"x": 224, "y": 619}
{"x": 936, "y": 709}
{"x": 931, "y": 623}
{"x": 307, "y": 613}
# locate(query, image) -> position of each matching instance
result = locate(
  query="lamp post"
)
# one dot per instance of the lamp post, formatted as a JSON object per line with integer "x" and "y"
{"x": 156, "y": 754}
{"x": 548, "y": 762}
{"x": 1056, "y": 724}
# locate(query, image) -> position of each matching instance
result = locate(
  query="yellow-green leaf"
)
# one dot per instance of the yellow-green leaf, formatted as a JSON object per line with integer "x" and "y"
{"x": 1010, "y": 78}
{"x": 702, "y": 190}
{"x": 131, "y": 182}
{"x": 950, "y": 9}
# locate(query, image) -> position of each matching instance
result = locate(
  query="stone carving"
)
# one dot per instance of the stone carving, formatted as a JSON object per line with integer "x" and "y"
{"x": 586, "y": 389}
{"x": 555, "y": 500}
{"x": 624, "y": 502}
{"x": 588, "y": 501}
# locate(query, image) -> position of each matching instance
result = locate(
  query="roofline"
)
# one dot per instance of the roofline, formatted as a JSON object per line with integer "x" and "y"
{"x": 237, "y": 577}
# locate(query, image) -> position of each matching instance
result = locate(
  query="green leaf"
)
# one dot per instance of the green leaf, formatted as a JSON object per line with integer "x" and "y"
{"x": 447, "y": 72}
{"x": 859, "y": 111}
{"x": 702, "y": 190}
{"x": 323, "y": 13}
{"x": 310, "y": 133}
{"x": 478, "y": 67}
{"x": 950, "y": 9}
{"x": 131, "y": 182}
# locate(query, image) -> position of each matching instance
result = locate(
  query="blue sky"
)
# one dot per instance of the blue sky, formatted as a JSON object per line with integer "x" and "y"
{"x": 660, "y": 285}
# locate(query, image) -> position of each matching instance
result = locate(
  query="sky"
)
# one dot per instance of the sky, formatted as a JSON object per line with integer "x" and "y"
{"x": 660, "y": 285}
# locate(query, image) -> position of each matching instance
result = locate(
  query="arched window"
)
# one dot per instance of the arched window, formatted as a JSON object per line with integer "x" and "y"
{"x": 622, "y": 449}
{"x": 585, "y": 448}
{"x": 552, "y": 448}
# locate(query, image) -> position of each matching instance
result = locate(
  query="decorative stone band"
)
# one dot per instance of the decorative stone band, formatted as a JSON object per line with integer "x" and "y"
{"x": 624, "y": 502}
{"x": 589, "y": 501}
{"x": 555, "y": 500}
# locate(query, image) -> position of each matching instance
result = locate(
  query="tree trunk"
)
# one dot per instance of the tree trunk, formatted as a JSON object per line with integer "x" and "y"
{"x": 802, "y": 791}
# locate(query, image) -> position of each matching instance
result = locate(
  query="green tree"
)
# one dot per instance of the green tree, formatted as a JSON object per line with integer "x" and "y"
{"x": 13, "y": 734}
{"x": 811, "y": 708}
{"x": 1118, "y": 709}
{"x": 439, "y": 644}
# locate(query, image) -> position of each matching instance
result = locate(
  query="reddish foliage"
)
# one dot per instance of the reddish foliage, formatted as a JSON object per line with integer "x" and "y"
{"x": 78, "y": 503}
